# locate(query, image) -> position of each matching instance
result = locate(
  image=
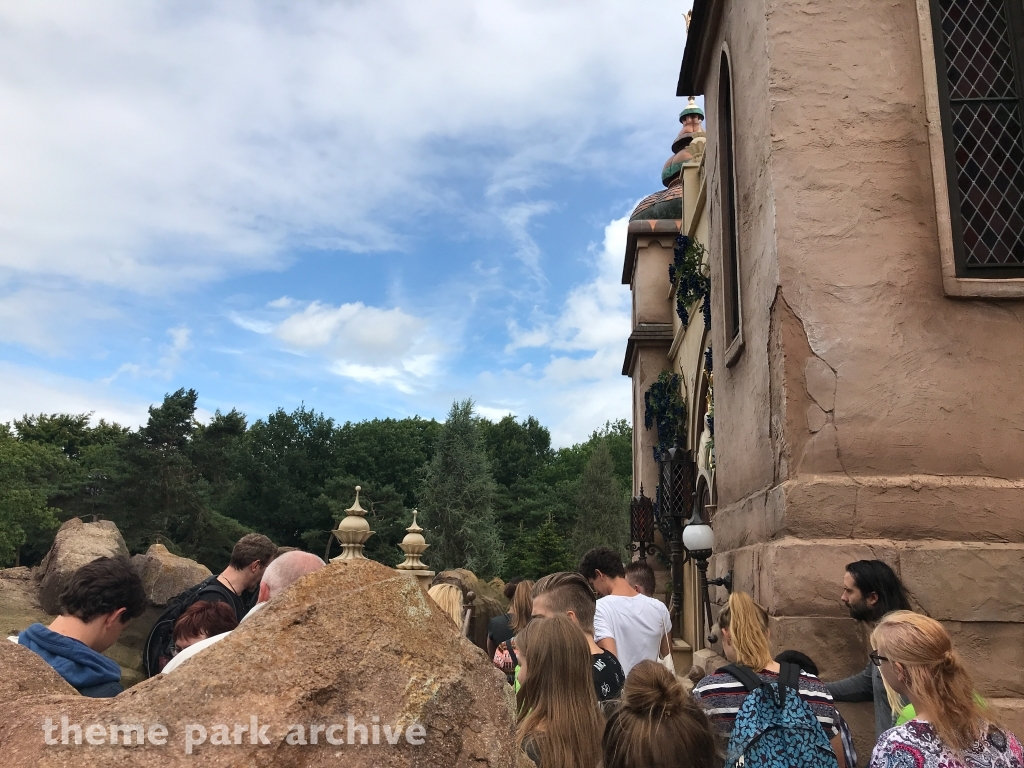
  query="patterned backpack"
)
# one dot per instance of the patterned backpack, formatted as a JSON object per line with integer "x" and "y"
{"x": 775, "y": 728}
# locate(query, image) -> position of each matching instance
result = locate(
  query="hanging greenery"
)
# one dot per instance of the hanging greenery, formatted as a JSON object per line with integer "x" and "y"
{"x": 689, "y": 268}
{"x": 665, "y": 409}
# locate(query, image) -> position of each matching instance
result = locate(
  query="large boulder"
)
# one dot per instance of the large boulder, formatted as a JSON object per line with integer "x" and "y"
{"x": 19, "y": 601}
{"x": 166, "y": 575}
{"x": 354, "y": 643}
{"x": 76, "y": 544}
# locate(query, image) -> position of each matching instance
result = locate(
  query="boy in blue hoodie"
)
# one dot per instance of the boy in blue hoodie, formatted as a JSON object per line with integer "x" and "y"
{"x": 96, "y": 606}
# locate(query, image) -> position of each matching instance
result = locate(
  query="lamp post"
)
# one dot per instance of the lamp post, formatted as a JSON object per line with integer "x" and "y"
{"x": 641, "y": 525}
{"x": 676, "y": 490}
{"x": 699, "y": 540}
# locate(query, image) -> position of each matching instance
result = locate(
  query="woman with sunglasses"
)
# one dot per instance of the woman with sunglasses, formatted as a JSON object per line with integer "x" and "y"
{"x": 916, "y": 659}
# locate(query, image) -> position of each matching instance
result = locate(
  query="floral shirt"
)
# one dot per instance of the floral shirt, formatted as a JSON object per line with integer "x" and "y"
{"x": 916, "y": 745}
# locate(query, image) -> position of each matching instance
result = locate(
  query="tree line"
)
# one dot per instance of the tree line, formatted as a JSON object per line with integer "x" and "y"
{"x": 494, "y": 496}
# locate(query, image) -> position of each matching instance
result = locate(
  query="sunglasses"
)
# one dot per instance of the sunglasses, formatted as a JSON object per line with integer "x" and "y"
{"x": 876, "y": 659}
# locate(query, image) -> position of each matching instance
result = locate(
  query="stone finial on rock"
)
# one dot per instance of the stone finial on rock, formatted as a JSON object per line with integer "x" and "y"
{"x": 414, "y": 545}
{"x": 352, "y": 532}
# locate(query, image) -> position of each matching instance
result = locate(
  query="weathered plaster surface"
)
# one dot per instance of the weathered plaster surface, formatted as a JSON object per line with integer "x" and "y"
{"x": 743, "y": 425}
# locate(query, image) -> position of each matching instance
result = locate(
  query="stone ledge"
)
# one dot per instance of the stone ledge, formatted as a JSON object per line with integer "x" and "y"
{"x": 905, "y": 507}
{"x": 949, "y": 581}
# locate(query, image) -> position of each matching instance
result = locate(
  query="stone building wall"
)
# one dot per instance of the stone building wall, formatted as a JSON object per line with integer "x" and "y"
{"x": 869, "y": 415}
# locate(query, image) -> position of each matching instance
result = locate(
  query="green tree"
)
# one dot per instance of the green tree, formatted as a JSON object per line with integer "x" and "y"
{"x": 162, "y": 495}
{"x": 69, "y": 432}
{"x": 516, "y": 449}
{"x": 28, "y": 473}
{"x": 388, "y": 452}
{"x": 456, "y": 498}
{"x": 285, "y": 465}
{"x": 602, "y": 512}
{"x": 543, "y": 551}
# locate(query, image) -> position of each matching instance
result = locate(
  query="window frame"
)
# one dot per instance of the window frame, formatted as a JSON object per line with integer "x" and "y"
{"x": 958, "y": 279}
{"x": 732, "y": 302}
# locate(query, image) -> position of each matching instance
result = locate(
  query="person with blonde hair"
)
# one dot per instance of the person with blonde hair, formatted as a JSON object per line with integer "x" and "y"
{"x": 724, "y": 695}
{"x": 658, "y": 725}
{"x": 917, "y": 661}
{"x": 560, "y": 724}
{"x": 449, "y": 599}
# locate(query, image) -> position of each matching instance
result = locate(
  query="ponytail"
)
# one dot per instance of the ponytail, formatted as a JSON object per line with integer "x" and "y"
{"x": 935, "y": 675}
{"x": 747, "y": 623}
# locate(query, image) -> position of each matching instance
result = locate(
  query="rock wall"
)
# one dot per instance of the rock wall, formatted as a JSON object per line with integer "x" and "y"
{"x": 353, "y": 639}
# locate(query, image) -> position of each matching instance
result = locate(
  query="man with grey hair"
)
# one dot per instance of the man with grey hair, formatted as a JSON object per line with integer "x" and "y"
{"x": 284, "y": 571}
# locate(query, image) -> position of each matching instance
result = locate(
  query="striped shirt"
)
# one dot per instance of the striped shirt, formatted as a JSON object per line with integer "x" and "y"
{"x": 722, "y": 695}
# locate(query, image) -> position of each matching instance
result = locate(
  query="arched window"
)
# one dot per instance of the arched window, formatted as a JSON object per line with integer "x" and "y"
{"x": 730, "y": 234}
{"x": 979, "y": 55}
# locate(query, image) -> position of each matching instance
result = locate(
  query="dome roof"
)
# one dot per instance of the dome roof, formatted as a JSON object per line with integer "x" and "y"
{"x": 674, "y": 165}
{"x": 691, "y": 109}
{"x": 666, "y": 204}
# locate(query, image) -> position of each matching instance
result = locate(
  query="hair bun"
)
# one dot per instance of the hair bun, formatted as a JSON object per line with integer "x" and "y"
{"x": 650, "y": 687}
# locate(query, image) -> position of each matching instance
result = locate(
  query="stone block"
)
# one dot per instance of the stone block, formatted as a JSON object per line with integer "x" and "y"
{"x": 904, "y": 508}
{"x": 958, "y": 581}
{"x": 795, "y": 577}
{"x": 993, "y": 653}
{"x": 838, "y": 646}
{"x": 1009, "y": 713}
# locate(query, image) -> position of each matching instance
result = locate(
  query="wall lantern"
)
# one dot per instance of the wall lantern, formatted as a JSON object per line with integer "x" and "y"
{"x": 699, "y": 540}
{"x": 641, "y": 525}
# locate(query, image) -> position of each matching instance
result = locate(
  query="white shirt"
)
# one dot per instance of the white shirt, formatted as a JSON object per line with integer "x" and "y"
{"x": 636, "y": 624}
{"x": 192, "y": 650}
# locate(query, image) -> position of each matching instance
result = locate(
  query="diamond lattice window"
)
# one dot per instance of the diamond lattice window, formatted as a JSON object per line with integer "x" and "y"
{"x": 980, "y": 57}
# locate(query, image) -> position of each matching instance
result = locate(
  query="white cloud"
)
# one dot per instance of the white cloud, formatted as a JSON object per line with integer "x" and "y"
{"x": 48, "y": 319}
{"x": 366, "y": 344}
{"x": 581, "y": 390}
{"x": 168, "y": 363}
{"x": 595, "y": 316}
{"x": 150, "y": 147}
{"x": 25, "y": 389}
{"x": 492, "y": 413}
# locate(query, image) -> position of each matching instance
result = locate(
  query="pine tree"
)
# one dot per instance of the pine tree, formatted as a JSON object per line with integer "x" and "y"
{"x": 602, "y": 512}
{"x": 456, "y": 499}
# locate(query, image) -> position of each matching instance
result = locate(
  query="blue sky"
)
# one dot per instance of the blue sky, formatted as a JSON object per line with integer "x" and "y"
{"x": 373, "y": 208}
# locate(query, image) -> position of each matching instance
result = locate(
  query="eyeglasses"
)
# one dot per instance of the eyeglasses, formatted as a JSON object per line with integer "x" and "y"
{"x": 876, "y": 659}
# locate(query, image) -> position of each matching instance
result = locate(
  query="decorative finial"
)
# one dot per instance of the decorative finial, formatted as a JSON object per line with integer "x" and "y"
{"x": 352, "y": 532}
{"x": 688, "y": 15}
{"x": 414, "y": 545}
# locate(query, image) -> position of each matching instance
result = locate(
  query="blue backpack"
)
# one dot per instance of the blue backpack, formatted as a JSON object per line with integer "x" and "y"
{"x": 775, "y": 728}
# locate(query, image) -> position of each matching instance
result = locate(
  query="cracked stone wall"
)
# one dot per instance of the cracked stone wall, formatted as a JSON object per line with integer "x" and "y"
{"x": 868, "y": 415}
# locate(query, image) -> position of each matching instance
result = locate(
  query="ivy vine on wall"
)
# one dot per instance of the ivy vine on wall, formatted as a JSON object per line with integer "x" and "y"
{"x": 690, "y": 268}
{"x": 665, "y": 409}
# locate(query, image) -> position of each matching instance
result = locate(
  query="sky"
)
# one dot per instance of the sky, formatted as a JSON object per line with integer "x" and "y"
{"x": 369, "y": 208}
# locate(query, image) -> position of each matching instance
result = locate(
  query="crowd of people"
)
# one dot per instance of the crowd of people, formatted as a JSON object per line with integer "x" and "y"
{"x": 589, "y": 655}
{"x": 594, "y": 686}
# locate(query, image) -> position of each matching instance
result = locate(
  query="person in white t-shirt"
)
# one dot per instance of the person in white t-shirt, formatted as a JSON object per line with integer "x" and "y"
{"x": 632, "y": 626}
